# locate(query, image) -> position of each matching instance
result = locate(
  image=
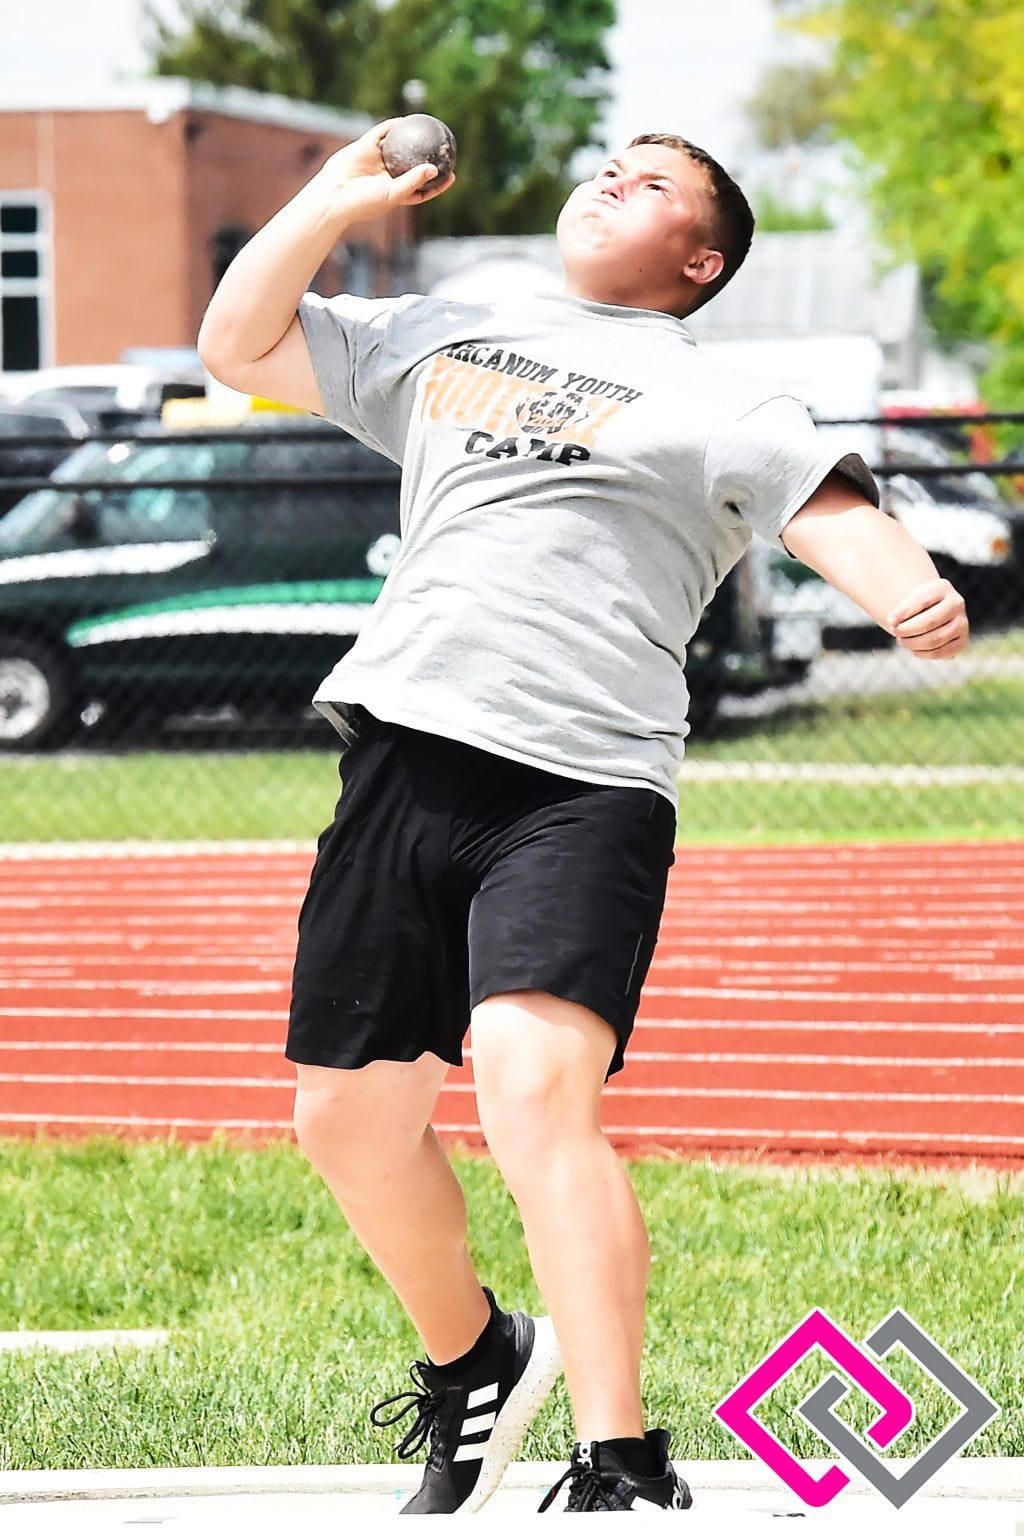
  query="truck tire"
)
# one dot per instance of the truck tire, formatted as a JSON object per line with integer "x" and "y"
{"x": 38, "y": 709}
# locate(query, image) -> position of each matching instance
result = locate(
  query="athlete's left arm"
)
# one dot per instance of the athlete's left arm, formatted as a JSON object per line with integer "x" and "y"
{"x": 876, "y": 562}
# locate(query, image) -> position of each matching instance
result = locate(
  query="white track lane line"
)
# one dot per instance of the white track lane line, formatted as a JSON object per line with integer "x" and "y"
{"x": 773, "y": 1095}
{"x": 818, "y": 994}
{"x": 69, "y": 983}
{"x": 712, "y": 1058}
{"x": 74, "y": 852}
{"x": 935, "y": 1143}
{"x": 829, "y": 1026}
{"x": 644, "y": 1021}
{"x": 271, "y": 1015}
{"x": 716, "y": 1133}
{"x": 143, "y": 1045}
{"x": 139, "y": 1120}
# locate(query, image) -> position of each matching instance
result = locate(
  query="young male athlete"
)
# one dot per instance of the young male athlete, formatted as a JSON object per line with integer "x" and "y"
{"x": 578, "y": 479}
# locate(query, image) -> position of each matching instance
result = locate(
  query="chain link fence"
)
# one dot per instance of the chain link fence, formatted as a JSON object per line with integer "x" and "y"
{"x": 169, "y": 601}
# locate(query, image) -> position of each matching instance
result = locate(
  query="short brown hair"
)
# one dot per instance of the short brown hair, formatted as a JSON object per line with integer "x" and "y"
{"x": 731, "y": 227}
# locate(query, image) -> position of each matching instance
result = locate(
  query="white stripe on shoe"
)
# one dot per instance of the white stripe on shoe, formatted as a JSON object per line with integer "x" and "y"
{"x": 471, "y": 1452}
{"x": 475, "y": 1425}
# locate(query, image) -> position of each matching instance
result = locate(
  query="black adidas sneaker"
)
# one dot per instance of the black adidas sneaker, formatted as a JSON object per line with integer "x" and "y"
{"x": 602, "y": 1481}
{"x": 475, "y": 1422}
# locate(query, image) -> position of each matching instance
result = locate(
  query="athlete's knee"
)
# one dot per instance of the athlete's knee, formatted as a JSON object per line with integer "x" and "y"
{"x": 532, "y": 1090}
{"x": 347, "y": 1143}
{"x": 365, "y": 1120}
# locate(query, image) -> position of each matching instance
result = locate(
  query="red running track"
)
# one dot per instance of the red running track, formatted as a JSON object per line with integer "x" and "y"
{"x": 855, "y": 1001}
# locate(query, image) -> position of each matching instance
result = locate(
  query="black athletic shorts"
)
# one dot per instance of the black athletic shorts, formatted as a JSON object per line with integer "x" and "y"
{"x": 449, "y": 874}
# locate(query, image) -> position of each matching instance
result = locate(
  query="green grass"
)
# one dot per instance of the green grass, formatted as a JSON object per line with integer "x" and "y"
{"x": 153, "y": 795}
{"x": 980, "y": 722}
{"x": 291, "y": 794}
{"x": 283, "y": 1334}
{"x": 822, "y": 813}
{"x": 1007, "y": 642}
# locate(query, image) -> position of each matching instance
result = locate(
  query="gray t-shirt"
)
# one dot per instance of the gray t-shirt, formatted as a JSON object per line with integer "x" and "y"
{"x": 578, "y": 478}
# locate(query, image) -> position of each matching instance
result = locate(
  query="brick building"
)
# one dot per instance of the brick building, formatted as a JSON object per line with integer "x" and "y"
{"x": 121, "y": 205}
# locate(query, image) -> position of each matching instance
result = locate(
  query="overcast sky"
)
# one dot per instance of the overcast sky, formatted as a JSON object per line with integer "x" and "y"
{"x": 685, "y": 69}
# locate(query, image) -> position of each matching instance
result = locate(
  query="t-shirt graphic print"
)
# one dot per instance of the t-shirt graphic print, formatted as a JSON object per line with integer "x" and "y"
{"x": 578, "y": 478}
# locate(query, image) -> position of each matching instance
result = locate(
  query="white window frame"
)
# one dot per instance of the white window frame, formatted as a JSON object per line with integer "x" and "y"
{"x": 42, "y": 285}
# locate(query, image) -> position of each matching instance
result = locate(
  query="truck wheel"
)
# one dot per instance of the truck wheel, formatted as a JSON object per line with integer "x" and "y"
{"x": 37, "y": 706}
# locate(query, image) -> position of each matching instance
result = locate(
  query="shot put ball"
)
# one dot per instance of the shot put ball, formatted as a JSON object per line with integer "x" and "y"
{"x": 415, "y": 140}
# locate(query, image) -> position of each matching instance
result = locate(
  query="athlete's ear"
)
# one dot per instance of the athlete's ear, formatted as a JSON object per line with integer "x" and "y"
{"x": 704, "y": 267}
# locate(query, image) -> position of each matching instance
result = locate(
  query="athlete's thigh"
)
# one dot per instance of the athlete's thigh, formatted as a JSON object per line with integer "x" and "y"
{"x": 573, "y": 904}
{"x": 380, "y": 967}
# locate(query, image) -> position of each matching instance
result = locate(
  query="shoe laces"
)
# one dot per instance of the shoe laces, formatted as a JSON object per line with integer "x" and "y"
{"x": 590, "y": 1489}
{"x": 426, "y": 1404}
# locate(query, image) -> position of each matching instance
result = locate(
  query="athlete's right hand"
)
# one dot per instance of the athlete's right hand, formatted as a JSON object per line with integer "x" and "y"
{"x": 360, "y": 188}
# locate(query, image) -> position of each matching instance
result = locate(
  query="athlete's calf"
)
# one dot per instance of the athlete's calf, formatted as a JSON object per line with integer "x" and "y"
{"x": 539, "y": 1064}
{"x": 367, "y": 1133}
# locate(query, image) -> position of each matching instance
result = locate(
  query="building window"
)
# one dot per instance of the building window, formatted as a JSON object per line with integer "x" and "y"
{"x": 226, "y": 244}
{"x": 25, "y": 282}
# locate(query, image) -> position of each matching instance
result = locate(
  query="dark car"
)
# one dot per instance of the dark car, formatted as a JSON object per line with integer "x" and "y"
{"x": 153, "y": 602}
{"x": 18, "y": 458}
{"x": 156, "y": 601}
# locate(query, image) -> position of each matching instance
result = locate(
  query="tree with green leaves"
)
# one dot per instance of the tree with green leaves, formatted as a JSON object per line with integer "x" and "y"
{"x": 930, "y": 96}
{"x": 522, "y": 83}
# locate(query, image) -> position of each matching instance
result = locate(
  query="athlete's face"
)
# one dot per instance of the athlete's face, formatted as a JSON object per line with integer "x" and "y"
{"x": 637, "y": 233}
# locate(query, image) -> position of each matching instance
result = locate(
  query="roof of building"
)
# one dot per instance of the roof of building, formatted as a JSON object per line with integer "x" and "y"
{"x": 811, "y": 283}
{"x": 803, "y": 283}
{"x": 163, "y": 97}
{"x": 454, "y": 259}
